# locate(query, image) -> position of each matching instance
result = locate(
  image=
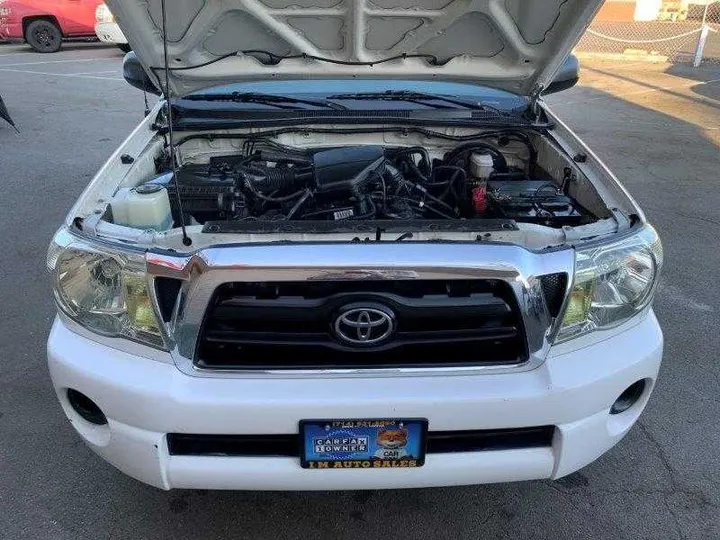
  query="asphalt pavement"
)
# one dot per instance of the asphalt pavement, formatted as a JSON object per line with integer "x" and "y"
{"x": 657, "y": 126}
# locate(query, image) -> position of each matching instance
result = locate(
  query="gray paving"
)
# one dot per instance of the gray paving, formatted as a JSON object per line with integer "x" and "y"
{"x": 657, "y": 126}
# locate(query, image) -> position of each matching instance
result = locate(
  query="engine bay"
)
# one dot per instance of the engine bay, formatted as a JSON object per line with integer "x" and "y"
{"x": 270, "y": 182}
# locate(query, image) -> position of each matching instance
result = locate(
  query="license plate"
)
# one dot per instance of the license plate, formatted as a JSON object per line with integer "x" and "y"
{"x": 363, "y": 444}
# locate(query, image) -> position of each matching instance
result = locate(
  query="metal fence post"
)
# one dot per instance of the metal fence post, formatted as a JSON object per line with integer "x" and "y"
{"x": 702, "y": 38}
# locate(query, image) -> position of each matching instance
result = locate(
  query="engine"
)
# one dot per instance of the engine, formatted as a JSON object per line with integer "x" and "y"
{"x": 271, "y": 182}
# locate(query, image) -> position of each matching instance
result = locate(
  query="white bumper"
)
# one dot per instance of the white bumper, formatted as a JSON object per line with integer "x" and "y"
{"x": 146, "y": 399}
{"x": 110, "y": 33}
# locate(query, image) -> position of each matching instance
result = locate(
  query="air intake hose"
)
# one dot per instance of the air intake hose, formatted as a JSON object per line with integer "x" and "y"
{"x": 268, "y": 179}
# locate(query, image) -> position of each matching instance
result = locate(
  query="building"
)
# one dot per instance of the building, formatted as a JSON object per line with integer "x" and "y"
{"x": 657, "y": 10}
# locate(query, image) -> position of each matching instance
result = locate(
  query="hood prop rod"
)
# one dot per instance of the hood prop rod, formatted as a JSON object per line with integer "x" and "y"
{"x": 168, "y": 96}
{"x": 535, "y": 94}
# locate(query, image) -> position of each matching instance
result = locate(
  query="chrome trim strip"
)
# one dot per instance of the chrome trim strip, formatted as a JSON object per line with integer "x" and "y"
{"x": 204, "y": 271}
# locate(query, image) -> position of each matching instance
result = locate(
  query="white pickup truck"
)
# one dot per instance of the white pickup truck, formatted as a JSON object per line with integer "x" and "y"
{"x": 352, "y": 248}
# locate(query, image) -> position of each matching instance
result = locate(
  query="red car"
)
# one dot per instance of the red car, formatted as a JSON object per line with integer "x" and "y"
{"x": 45, "y": 23}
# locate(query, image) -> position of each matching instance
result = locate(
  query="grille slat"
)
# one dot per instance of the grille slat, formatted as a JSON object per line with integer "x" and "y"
{"x": 289, "y": 325}
{"x": 438, "y": 442}
{"x": 288, "y": 338}
{"x": 486, "y": 302}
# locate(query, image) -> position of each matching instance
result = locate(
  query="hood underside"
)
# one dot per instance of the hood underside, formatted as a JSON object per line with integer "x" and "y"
{"x": 513, "y": 45}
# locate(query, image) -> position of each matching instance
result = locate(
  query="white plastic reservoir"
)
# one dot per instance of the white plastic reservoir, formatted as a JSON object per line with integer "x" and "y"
{"x": 143, "y": 207}
{"x": 481, "y": 165}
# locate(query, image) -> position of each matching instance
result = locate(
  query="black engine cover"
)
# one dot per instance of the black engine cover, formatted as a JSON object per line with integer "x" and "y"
{"x": 342, "y": 170}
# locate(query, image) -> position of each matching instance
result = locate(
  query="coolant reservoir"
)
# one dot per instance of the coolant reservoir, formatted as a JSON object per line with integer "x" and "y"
{"x": 144, "y": 207}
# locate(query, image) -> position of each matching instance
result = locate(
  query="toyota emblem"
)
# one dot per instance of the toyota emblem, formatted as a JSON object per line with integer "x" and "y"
{"x": 364, "y": 324}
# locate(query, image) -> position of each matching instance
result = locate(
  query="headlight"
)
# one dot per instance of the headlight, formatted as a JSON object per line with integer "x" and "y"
{"x": 103, "y": 14}
{"x": 105, "y": 291}
{"x": 612, "y": 283}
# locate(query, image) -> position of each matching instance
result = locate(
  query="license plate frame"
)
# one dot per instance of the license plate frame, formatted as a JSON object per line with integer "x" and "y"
{"x": 322, "y": 442}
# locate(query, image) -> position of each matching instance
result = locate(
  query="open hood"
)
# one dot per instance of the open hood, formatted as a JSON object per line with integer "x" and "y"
{"x": 513, "y": 45}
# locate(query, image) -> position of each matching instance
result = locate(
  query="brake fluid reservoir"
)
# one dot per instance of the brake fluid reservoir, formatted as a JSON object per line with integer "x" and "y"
{"x": 481, "y": 165}
{"x": 144, "y": 207}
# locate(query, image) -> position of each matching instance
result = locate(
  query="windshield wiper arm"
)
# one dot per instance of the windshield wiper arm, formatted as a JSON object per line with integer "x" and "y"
{"x": 416, "y": 97}
{"x": 281, "y": 102}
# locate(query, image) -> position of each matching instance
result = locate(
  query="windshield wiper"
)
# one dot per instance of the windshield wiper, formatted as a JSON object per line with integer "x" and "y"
{"x": 281, "y": 102}
{"x": 420, "y": 98}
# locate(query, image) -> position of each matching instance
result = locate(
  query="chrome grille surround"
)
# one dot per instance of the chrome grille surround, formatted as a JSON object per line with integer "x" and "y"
{"x": 207, "y": 269}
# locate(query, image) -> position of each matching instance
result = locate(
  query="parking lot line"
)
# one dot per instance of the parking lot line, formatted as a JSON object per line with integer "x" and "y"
{"x": 91, "y": 72}
{"x": 71, "y": 75}
{"x": 19, "y": 54}
{"x": 54, "y": 62}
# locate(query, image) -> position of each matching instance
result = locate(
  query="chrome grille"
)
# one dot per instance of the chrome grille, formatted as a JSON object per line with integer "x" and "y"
{"x": 289, "y": 325}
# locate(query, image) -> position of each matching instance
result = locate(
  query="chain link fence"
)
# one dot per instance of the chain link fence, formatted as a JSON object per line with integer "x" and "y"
{"x": 690, "y": 34}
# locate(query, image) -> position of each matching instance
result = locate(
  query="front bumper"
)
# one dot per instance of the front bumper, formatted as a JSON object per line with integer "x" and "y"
{"x": 110, "y": 33}
{"x": 12, "y": 31}
{"x": 145, "y": 399}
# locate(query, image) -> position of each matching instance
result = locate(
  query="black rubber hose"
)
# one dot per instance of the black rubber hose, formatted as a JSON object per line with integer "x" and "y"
{"x": 416, "y": 170}
{"x": 267, "y": 179}
{"x": 249, "y": 185}
{"x": 461, "y": 202}
{"x": 299, "y": 203}
{"x": 409, "y": 151}
{"x": 456, "y": 171}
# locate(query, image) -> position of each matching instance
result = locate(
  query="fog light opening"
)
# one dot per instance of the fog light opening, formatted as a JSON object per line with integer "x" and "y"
{"x": 628, "y": 398}
{"x": 86, "y": 407}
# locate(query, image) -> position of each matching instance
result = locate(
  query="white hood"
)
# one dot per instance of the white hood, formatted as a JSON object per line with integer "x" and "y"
{"x": 513, "y": 45}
